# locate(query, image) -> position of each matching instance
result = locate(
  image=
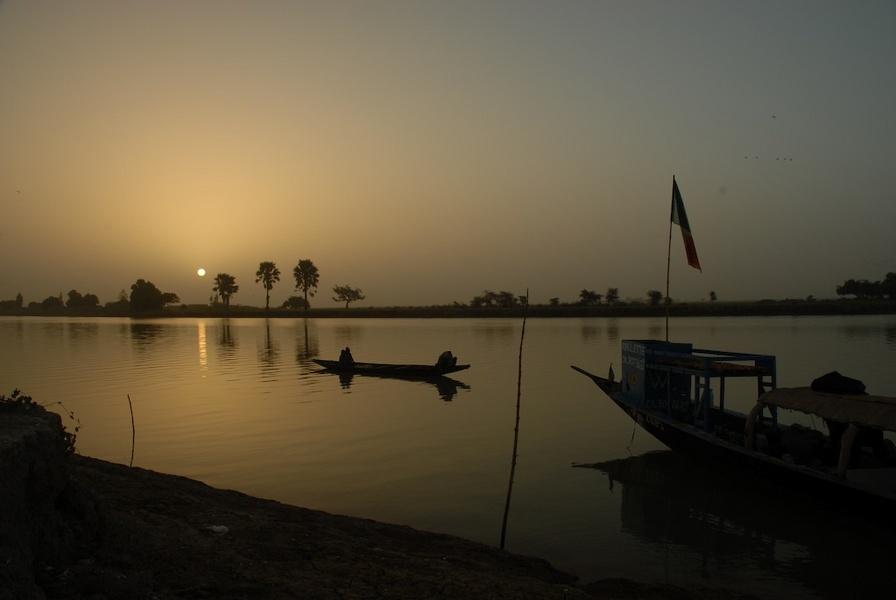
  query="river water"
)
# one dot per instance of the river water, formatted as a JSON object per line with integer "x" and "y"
{"x": 238, "y": 404}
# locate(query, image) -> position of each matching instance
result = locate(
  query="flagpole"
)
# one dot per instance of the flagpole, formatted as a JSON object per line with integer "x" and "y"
{"x": 669, "y": 256}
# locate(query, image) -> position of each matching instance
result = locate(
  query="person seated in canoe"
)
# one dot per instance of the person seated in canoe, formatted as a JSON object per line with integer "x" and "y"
{"x": 446, "y": 360}
{"x": 345, "y": 358}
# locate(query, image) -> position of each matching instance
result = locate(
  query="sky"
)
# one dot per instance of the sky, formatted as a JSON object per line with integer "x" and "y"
{"x": 427, "y": 151}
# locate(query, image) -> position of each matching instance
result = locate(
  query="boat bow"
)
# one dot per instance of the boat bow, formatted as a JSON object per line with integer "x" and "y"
{"x": 610, "y": 388}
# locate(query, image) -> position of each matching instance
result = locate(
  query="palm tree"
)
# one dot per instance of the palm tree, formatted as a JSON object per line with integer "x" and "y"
{"x": 267, "y": 274}
{"x": 226, "y": 286}
{"x": 589, "y": 297}
{"x": 307, "y": 276}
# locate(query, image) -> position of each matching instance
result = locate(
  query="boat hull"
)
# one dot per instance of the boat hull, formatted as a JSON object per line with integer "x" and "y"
{"x": 390, "y": 370}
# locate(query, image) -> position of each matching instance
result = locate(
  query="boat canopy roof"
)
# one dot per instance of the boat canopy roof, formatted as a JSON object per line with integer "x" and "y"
{"x": 878, "y": 412}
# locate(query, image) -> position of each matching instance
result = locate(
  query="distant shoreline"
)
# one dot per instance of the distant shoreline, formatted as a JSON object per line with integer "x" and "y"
{"x": 621, "y": 310}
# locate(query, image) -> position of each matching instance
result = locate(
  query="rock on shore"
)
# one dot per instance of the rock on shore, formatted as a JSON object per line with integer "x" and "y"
{"x": 44, "y": 518}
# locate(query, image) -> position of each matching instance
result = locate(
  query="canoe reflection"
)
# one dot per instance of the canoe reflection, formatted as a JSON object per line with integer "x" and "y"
{"x": 733, "y": 516}
{"x": 447, "y": 388}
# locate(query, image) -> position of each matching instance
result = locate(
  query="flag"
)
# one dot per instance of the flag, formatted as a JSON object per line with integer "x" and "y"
{"x": 680, "y": 218}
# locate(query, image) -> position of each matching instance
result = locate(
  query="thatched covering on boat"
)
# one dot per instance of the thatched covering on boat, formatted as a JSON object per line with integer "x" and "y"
{"x": 878, "y": 412}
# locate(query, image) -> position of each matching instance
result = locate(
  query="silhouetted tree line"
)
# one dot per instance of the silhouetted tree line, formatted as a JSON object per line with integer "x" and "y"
{"x": 307, "y": 278}
{"x": 655, "y": 297}
{"x": 145, "y": 296}
{"x": 490, "y": 299}
{"x": 12, "y": 305}
{"x": 75, "y": 302}
{"x": 47, "y": 304}
{"x": 295, "y": 303}
{"x": 504, "y": 299}
{"x": 586, "y": 298}
{"x": 591, "y": 298}
{"x": 306, "y": 275}
{"x": 864, "y": 289}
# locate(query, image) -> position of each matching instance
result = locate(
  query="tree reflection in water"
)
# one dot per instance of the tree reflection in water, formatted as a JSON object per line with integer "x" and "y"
{"x": 227, "y": 341}
{"x": 347, "y": 335}
{"x": 307, "y": 346}
{"x": 590, "y": 332}
{"x": 144, "y": 334}
{"x": 269, "y": 353}
{"x": 494, "y": 331}
{"x": 612, "y": 330}
{"x": 890, "y": 334}
{"x": 83, "y": 332}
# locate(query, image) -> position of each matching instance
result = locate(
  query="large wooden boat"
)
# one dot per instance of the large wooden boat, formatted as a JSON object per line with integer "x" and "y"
{"x": 667, "y": 388}
{"x": 390, "y": 370}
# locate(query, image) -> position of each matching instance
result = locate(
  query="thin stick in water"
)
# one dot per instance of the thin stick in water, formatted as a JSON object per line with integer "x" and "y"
{"x": 516, "y": 428}
{"x": 133, "y": 430}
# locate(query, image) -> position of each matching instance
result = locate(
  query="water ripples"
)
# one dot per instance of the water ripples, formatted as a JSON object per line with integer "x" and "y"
{"x": 239, "y": 404}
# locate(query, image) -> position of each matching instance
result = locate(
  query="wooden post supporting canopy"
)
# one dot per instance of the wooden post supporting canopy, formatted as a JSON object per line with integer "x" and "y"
{"x": 846, "y": 440}
{"x": 750, "y": 425}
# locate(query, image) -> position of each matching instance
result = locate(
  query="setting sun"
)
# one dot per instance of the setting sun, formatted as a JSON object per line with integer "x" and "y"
{"x": 200, "y": 271}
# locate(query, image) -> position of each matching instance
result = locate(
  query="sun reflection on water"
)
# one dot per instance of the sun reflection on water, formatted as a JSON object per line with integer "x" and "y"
{"x": 203, "y": 354}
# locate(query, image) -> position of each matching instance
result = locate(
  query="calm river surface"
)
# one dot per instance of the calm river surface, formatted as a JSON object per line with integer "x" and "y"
{"x": 238, "y": 404}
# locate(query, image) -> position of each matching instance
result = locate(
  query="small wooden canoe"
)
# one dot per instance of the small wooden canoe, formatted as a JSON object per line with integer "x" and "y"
{"x": 389, "y": 370}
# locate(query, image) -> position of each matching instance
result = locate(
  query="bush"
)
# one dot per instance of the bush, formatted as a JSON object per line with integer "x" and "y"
{"x": 19, "y": 402}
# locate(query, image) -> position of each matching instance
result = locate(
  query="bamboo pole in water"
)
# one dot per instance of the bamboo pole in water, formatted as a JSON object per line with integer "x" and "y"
{"x": 516, "y": 428}
{"x": 133, "y": 430}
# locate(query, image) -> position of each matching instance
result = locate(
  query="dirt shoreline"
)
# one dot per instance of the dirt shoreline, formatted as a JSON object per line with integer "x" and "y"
{"x": 171, "y": 537}
{"x": 163, "y": 536}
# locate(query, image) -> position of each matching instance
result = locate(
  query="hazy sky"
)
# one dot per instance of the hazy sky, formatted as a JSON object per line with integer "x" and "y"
{"x": 425, "y": 151}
